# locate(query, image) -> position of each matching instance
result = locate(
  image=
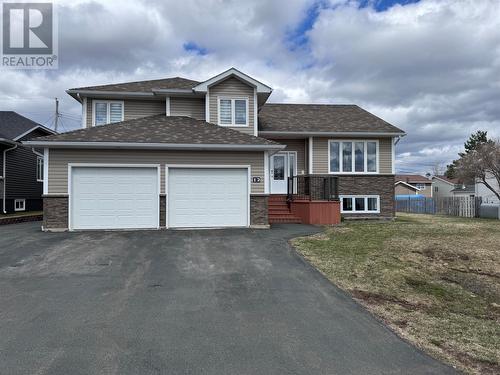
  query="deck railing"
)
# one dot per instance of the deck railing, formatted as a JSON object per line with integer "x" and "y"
{"x": 313, "y": 188}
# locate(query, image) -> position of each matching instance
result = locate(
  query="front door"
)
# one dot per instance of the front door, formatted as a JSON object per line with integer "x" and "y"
{"x": 282, "y": 166}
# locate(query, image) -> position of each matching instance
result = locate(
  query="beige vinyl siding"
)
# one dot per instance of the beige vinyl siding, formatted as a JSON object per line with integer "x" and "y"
{"x": 132, "y": 109}
{"x": 59, "y": 159}
{"x": 298, "y": 145}
{"x": 232, "y": 88}
{"x": 191, "y": 107}
{"x": 320, "y": 155}
{"x": 401, "y": 189}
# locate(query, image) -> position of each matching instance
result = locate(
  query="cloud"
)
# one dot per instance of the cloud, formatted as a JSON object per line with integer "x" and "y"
{"x": 430, "y": 67}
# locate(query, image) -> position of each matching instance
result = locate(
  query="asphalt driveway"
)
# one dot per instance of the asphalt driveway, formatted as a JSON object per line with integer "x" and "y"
{"x": 182, "y": 302}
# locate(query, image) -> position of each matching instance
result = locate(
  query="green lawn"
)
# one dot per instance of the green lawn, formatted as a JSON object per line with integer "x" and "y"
{"x": 434, "y": 280}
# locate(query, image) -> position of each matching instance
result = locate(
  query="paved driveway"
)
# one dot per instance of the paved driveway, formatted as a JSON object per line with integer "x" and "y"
{"x": 182, "y": 302}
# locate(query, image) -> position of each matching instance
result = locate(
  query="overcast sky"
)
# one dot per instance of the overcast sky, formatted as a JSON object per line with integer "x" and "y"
{"x": 430, "y": 67}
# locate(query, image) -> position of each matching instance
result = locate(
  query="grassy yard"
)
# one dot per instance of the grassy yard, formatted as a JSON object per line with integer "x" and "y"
{"x": 434, "y": 280}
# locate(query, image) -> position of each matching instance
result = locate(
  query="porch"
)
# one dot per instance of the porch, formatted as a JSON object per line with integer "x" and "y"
{"x": 310, "y": 199}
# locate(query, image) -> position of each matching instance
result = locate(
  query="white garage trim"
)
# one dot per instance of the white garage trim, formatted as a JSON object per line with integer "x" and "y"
{"x": 107, "y": 165}
{"x": 204, "y": 166}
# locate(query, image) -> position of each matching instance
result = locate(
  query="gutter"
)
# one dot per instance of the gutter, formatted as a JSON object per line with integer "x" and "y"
{"x": 4, "y": 176}
{"x": 153, "y": 146}
{"x": 328, "y": 134}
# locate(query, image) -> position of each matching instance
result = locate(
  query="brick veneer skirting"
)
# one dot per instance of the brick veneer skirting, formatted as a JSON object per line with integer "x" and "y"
{"x": 382, "y": 185}
{"x": 55, "y": 212}
{"x": 259, "y": 210}
{"x": 163, "y": 210}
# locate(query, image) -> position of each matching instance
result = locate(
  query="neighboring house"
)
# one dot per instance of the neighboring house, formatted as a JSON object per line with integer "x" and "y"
{"x": 21, "y": 168}
{"x": 182, "y": 153}
{"x": 443, "y": 186}
{"x": 412, "y": 184}
{"x": 486, "y": 194}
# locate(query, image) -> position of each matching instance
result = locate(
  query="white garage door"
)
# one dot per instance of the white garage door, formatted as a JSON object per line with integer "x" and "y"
{"x": 114, "y": 198}
{"x": 202, "y": 198}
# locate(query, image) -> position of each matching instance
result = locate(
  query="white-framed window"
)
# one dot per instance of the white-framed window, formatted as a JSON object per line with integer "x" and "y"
{"x": 39, "y": 169}
{"x": 19, "y": 204}
{"x": 233, "y": 111}
{"x": 107, "y": 111}
{"x": 353, "y": 156}
{"x": 420, "y": 186}
{"x": 357, "y": 204}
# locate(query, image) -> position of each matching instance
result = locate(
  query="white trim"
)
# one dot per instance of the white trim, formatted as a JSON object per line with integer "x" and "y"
{"x": 365, "y": 211}
{"x": 204, "y": 86}
{"x": 19, "y": 201}
{"x": 267, "y": 181}
{"x": 353, "y": 159}
{"x": 255, "y": 114}
{"x": 393, "y": 155}
{"x": 285, "y": 134}
{"x": 167, "y": 106}
{"x": 33, "y": 129}
{"x": 157, "y": 146}
{"x": 38, "y": 158}
{"x": 407, "y": 184}
{"x": 206, "y": 166}
{"x": 108, "y": 102}
{"x": 207, "y": 107}
{"x": 310, "y": 161}
{"x": 84, "y": 112}
{"x": 110, "y": 165}
{"x": 233, "y": 111}
{"x": 45, "y": 171}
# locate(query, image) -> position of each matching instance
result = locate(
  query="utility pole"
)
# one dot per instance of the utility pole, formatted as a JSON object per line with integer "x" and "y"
{"x": 56, "y": 120}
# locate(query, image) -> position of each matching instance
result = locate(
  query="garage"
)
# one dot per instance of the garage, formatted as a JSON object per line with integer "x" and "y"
{"x": 114, "y": 197}
{"x": 207, "y": 197}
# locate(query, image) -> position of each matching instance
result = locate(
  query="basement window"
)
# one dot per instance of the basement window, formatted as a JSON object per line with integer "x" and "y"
{"x": 357, "y": 204}
{"x": 19, "y": 204}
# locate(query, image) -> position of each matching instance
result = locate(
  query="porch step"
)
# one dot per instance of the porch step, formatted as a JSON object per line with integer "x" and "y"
{"x": 279, "y": 211}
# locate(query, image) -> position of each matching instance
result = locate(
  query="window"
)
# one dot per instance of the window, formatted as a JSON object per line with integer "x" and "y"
{"x": 233, "y": 112}
{"x": 360, "y": 204}
{"x": 353, "y": 156}
{"x": 420, "y": 186}
{"x": 107, "y": 112}
{"x": 39, "y": 169}
{"x": 436, "y": 189}
{"x": 19, "y": 204}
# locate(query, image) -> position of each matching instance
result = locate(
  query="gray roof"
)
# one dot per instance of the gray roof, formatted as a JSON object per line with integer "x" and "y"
{"x": 321, "y": 118}
{"x": 12, "y": 125}
{"x": 144, "y": 86}
{"x": 161, "y": 129}
{"x": 464, "y": 189}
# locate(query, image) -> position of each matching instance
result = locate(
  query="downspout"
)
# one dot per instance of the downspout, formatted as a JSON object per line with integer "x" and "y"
{"x": 4, "y": 176}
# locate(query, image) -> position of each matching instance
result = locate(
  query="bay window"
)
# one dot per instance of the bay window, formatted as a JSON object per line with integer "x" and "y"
{"x": 360, "y": 204}
{"x": 353, "y": 156}
{"x": 107, "y": 112}
{"x": 233, "y": 112}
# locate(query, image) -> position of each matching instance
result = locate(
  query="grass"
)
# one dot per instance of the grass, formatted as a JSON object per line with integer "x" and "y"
{"x": 434, "y": 280}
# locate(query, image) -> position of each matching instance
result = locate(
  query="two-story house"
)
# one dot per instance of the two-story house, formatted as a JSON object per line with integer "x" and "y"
{"x": 413, "y": 184}
{"x": 181, "y": 153}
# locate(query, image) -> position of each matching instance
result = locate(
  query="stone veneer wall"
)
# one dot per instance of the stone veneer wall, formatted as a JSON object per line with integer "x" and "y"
{"x": 163, "y": 210}
{"x": 382, "y": 185}
{"x": 55, "y": 212}
{"x": 259, "y": 210}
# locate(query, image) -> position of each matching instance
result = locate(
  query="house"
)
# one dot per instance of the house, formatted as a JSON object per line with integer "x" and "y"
{"x": 181, "y": 153}
{"x": 412, "y": 184}
{"x": 443, "y": 186}
{"x": 21, "y": 168}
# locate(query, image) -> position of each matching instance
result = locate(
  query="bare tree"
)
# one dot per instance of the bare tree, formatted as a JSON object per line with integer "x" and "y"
{"x": 481, "y": 164}
{"x": 438, "y": 169}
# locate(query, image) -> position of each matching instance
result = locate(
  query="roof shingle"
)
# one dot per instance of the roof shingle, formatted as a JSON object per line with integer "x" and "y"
{"x": 12, "y": 125}
{"x": 321, "y": 118}
{"x": 144, "y": 86}
{"x": 161, "y": 129}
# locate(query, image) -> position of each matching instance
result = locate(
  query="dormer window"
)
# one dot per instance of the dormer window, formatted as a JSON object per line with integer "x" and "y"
{"x": 107, "y": 112}
{"x": 233, "y": 111}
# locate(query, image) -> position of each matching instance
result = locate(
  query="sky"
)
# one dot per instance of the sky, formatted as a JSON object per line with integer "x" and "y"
{"x": 429, "y": 67}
